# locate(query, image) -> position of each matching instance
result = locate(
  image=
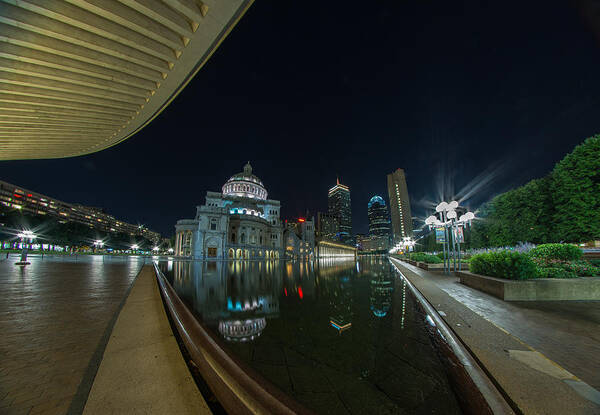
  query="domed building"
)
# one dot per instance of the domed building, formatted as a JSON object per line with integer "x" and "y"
{"x": 238, "y": 223}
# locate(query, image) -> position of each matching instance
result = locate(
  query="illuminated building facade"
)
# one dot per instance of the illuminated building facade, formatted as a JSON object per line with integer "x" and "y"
{"x": 33, "y": 203}
{"x": 339, "y": 206}
{"x": 399, "y": 205}
{"x": 327, "y": 226}
{"x": 379, "y": 222}
{"x": 299, "y": 239}
{"x": 239, "y": 222}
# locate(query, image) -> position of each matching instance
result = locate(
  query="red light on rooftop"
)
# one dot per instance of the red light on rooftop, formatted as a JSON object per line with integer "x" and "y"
{"x": 300, "y": 293}
{"x": 301, "y": 220}
{"x": 16, "y": 195}
{"x": 29, "y": 195}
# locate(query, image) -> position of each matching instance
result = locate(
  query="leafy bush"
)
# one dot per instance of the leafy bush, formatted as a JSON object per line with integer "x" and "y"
{"x": 556, "y": 271}
{"x": 427, "y": 258}
{"x": 504, "y": 264}
{"x": 582, "y": 268}
{"x": 562, "y": 252}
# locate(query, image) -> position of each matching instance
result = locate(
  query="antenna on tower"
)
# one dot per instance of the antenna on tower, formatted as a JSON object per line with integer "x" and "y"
{"x": 337, "y": 178}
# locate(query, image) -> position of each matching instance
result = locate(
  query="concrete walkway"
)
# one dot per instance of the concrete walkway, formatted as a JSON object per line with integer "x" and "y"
{"x": 142, "y": 370}
{"x": 534, "y": 383}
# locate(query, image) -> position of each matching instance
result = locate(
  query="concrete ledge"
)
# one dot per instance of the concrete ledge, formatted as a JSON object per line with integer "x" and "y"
{"x": 142, "y": 370}
{"x": 438, "y": 267}
{"x": 543, "y": 289}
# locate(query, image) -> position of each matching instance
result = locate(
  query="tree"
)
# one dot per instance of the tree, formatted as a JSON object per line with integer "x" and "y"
{"x": 576, "y": 193}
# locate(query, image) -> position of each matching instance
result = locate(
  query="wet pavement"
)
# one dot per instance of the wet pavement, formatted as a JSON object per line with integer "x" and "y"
{"x": 567, "y": 332}
{"x": 55, "y": 317}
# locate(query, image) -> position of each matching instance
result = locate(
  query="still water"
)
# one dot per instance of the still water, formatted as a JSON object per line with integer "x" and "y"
{"x": 339, "y": 336}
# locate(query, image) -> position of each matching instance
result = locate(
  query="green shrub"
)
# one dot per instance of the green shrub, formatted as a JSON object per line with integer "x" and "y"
{"x": 504, "y": 264}
{"x": 556, "y": 272}
{"x": 427, "y": 258}
{"x": 582, "y": 268}
{"x": 562, "y": 252}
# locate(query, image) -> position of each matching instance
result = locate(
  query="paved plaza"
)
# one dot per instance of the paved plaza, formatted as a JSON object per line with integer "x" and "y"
{"x": 55, "y": 318}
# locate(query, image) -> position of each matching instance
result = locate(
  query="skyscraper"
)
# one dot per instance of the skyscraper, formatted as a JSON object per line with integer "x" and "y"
{"x": 338, "y": 202}
{"x": 399, "y": 205}
{"x": 379, "y": 222}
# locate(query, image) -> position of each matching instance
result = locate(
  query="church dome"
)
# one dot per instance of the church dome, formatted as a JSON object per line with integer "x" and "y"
{"x": 245, "y": 184}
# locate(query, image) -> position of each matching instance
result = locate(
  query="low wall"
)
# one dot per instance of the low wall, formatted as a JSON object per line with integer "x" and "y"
{"x": 440, "y": 267}
{"x": 542, "y": 289}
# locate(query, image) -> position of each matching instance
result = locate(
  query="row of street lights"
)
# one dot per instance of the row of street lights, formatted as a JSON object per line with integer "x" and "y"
{"x": 449, "y": 222}
{"x": 27, "y": 237}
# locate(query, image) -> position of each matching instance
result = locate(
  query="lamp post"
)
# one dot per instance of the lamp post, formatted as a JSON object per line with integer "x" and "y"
{"x": 98, "y": 244}
{"x": 450, "y": 223}
{"x": 155, "y": 249}
{"x": 25, "y": 236}
{"x": 134, "y": 248}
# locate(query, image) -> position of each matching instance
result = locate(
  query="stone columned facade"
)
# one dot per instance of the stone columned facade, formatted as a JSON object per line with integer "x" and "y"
{"x": 240, "y": 222}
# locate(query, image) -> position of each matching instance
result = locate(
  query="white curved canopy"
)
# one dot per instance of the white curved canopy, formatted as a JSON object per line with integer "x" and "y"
{"x": 78, "y": 76}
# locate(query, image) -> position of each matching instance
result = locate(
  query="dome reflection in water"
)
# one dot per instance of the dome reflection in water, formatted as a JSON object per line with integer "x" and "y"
{"x": 339, "y": 336}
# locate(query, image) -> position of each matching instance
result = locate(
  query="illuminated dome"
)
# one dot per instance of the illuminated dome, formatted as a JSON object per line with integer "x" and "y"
{"x": 245, "y": 184}
{"x": 376, "y": 199}
{"x": 242, "y": 331}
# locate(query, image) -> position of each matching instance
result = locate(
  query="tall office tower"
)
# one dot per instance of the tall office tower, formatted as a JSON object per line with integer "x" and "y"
{"x": 379, "y": 222}
{"x": 399, "y": 205}
{"x": 327, "y": 226}
{"x": 339, "y": 206}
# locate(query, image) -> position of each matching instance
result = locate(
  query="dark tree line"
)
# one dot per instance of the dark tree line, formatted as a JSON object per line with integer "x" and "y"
{"x": 563, "y": 206}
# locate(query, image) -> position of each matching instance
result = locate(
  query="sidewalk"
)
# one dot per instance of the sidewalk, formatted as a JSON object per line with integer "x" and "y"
{"x": 544, "y": 356}
{"x": 142, "y": 370}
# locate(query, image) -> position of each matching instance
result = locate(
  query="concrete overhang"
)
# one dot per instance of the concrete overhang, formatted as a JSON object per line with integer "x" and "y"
{"x": 79, "y": 76}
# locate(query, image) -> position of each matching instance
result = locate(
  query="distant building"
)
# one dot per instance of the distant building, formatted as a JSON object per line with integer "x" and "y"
{"x": 374, "y": 244}
{"x": 399, "y": 205}
{"x": 339, "y": 205}
{"x": 299, "y": 238}
{"x": 14, "y": 197}
{"x": 239, "y": 222}
{"x": 379, "y": 222}
{"x": 327, "y": 226}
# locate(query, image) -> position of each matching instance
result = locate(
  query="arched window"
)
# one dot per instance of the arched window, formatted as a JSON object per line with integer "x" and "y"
{"x": 233, "y": 238}
{"x": 243, "y": 238}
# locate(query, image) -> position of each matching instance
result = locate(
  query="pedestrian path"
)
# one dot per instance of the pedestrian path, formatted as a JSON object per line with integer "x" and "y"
{"x": 54, "y": 317}
{"x": 142, "y": 369}
{"x": 491, "y": 329}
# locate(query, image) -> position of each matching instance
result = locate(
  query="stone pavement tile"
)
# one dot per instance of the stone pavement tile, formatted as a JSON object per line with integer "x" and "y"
{"x": 52, "y": 317}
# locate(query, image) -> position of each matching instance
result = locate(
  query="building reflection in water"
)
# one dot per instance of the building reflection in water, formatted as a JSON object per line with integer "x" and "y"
{"x": 237, "y": 298}
{"x": 335, "y": 277}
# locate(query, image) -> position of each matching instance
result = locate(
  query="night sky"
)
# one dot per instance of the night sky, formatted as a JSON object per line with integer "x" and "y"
{"x": 484, "y": 95}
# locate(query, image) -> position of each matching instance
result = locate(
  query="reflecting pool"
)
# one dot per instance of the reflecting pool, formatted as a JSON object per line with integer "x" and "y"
{"x": 340, "y": 336}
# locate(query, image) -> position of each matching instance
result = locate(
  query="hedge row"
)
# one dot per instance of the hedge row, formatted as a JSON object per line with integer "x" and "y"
{"x": 504, "y": 264}
{"x": 423, "y": 257}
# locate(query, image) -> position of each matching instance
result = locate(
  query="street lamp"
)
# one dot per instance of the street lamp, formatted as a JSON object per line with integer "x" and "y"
{"x": 449, "y": 221}
{"x": 25, "y": 236}
{"x": 134, "y": 248}
{"x": 98, "y": 244}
